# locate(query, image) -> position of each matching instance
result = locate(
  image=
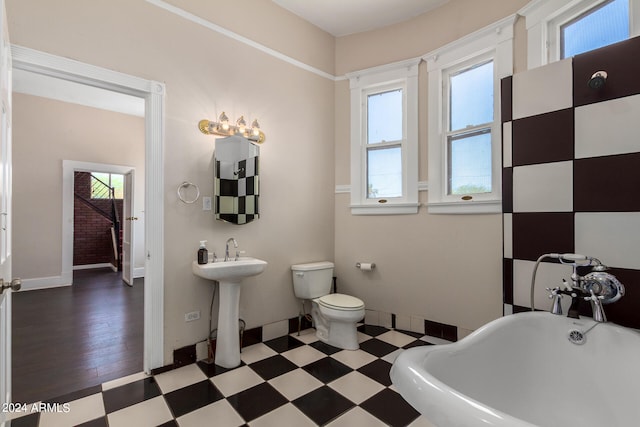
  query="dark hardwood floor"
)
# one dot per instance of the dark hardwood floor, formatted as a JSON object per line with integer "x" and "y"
{"x": 71, "y": 338}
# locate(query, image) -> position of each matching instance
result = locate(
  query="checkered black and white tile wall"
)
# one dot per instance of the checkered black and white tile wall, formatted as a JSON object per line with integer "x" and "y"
{"x": 237, "y": 190}
{"x": 571, "y": 174}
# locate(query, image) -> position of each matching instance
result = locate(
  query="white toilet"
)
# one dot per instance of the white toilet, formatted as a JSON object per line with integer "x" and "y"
{"x": 334, "y": 315}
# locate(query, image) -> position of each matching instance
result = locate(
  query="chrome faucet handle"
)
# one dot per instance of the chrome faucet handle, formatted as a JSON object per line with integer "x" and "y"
{"x": 556, "y": 296}
{"x": 596, "y": 306}
{"x": 593, "y": 297}
{"x": 553, "y": 292}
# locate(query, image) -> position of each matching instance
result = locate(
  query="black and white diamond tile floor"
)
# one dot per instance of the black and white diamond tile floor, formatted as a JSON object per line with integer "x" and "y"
{"x": 289, "y": 381}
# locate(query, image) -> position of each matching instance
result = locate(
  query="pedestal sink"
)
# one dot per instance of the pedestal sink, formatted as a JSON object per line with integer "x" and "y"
{"x": 229, "y": 274}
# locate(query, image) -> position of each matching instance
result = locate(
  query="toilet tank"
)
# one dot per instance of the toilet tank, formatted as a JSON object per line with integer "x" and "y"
{"x": 312, "y": 280}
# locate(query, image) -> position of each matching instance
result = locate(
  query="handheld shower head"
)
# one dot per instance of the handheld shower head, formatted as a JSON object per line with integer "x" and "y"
{"x": 597, "y": 80}
{"x": 582, "y": 260}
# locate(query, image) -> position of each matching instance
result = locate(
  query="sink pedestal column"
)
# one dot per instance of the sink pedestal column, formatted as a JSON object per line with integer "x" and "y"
{"x": 229, "y": 274}
{"x": 228, "y": 339}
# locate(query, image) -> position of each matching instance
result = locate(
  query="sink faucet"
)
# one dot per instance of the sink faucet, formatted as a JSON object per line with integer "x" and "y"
{"x": 226, "y": 251}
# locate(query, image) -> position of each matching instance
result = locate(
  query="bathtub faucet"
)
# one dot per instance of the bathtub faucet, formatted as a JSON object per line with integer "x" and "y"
{"x": 577, "y": 294}
{"x": 598, "y": 287}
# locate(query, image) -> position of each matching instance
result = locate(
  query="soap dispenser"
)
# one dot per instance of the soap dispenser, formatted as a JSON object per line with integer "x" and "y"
{"x": 203, "y": 254}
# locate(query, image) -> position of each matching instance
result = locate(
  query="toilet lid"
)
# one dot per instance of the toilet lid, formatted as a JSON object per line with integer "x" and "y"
{"x": 341, "y": 302}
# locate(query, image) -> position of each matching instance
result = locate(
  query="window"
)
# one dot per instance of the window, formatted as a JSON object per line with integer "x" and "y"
{"x": 464, "y": 138}
{"x": 384, "y": 139}
{"x": 562, "y": 29}
{"x": 471, "y": 104}
{"x": 600, "y": 26}
{"x": 384, "y": 142}
{"x": 100, "y": 181}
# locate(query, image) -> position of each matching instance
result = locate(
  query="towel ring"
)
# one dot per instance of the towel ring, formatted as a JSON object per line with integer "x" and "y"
{"x": 187, "y": 184}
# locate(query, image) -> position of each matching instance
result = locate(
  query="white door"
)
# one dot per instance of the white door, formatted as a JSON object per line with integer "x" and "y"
{"x": 127, "y": 230}
{"x": 5, "y": 213}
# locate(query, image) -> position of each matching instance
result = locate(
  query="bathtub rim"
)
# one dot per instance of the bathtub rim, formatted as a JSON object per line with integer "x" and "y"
{"x": 459, "y": 407}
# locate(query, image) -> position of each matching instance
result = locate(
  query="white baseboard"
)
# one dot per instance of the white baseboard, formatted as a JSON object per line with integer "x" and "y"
{"x": 138, "y": 272}
{"x": 46, "y": 282}
{"x": 67, "y": 279}
{"x": 92, "y": 266}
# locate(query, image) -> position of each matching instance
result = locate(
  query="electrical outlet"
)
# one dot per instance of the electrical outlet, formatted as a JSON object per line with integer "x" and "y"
{"x": 190, "y": 317}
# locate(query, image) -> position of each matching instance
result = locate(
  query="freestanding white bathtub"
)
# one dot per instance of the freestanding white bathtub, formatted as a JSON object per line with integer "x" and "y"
{"x": 522, "y": 370}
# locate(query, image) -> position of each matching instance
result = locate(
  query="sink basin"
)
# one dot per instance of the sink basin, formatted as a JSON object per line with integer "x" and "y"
{"x": 229, "y": 274}
{"x": 229, "y": 270}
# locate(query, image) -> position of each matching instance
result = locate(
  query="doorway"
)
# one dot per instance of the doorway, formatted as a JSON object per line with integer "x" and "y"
{"x": 77, "y": 337}
{"x": 128, "y": 235}
{"x": 153, "y": 95}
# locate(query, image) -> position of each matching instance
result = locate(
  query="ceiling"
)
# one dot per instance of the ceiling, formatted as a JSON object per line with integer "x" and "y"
{"x": 343, "y": 17}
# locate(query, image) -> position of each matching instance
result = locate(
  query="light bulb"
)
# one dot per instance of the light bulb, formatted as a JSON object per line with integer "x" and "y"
{"x": 224, "y": 121}
{"x": 242, "y": 125}
{"x": 255, "y": 128}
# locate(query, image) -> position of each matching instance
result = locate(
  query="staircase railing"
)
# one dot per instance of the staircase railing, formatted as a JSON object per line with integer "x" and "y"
{"x": 101, "y": 191}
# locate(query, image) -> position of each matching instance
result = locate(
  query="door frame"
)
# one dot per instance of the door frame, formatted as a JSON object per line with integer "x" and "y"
{"x": 153, "y": 94}
{"x": 6, "y": 211}
{"x": 128, "y": 229}
{"x": 69, "y": 167}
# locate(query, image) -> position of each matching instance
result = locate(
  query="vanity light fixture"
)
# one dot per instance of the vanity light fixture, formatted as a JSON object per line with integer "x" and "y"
{"x": 222, "y": 127}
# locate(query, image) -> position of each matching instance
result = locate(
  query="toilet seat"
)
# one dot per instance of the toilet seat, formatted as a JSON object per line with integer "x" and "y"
{"x": 341, "y": 302}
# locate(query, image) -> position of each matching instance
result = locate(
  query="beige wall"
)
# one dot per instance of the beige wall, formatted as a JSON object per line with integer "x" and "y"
{"x": 443, "y": 268}
{"x": 425, "y": 33}
{"x": 265, "y": 22}
{"x": 206, "y": 73}
{"x": 46, "y": 132}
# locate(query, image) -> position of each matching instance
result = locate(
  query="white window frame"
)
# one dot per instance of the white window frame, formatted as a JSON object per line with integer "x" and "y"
{"x": 545, "y": 17}
{"x": 398, "y": 75}
{"x": 494, "y": 42}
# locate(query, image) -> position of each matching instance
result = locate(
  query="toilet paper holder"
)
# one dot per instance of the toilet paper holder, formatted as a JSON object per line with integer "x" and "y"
{"x": 365, "y": 266}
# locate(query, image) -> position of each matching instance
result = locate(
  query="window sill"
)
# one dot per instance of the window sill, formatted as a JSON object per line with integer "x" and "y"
{"x": 388, "y": 209}
{"x": 468, "y": 207}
